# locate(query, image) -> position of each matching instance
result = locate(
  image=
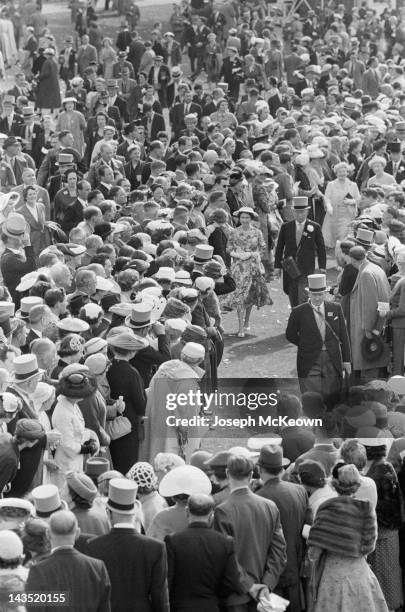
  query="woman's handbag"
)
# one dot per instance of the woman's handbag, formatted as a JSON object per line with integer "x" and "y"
{"x": 118, "y": 427}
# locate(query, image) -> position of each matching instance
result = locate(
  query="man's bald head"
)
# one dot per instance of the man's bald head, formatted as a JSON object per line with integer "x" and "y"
{"x": 63, "y": 524}
{"x": 200, "y": 505}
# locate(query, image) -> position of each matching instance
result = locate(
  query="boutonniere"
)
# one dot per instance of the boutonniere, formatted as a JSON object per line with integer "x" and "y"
{"x": 304, "y": 234}
{"x": 330, "y": 314}
{"x": 310, "y": 228}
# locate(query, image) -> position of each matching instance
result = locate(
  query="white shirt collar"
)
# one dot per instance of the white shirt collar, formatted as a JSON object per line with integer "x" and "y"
{"x": 124, "y": 525}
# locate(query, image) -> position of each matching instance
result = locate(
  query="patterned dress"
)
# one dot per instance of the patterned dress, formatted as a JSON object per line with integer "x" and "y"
{"x": 251, "y": 288}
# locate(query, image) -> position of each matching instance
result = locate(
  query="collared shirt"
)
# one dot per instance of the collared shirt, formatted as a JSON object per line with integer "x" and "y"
{"x": 299, "y": 229}
{"x": 124, "y": 525}
{"x": 240, "y": 488}
{"x": 319, "y": 312}
{"x": 63, "y": 547}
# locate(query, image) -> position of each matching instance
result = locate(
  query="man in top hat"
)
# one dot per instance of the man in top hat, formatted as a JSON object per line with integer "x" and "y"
{"x": 9, "y": 121}
{"x": 84, "y": 579}
{"x": 32, "y": 135}
{"x": 255, "y": 524}
{"x": 202, "y": 563}
{"x": 14, "y": 159}
{"x": 292, "y": 502}
{"x": 371, "y": 287}
{"x": 159, "y": 77}
{"x": 18, "y": 257}
{"x": 299, "y": 243}
{"x": 395, "y": 165}
{"x": 67, "y": 60}
{"x": 148, "y": 359}
{"x": 318, "y": 329}
{"x": 136, "y": 564}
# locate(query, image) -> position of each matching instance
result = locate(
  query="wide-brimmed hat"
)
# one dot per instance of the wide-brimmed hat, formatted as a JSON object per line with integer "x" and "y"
{"x": 25, "y": 368}
{"x": 94, "y": 345}
{"x": 8, "y": 504}
{"x": 372, "y": 348}
{"x": 248, "y": 211}
{"x": 271, "y": 457}
{"x": 76, "y": 384}
{"x": 69, "y": 99}
{"x": 127, "y": 341}
{"x": 185, "y": 480}
{"x": 14, "y": 226}
{"x": 73, "y": 325}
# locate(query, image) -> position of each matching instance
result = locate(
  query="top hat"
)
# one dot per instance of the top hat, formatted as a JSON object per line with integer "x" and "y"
{"x": 203, "y": 253}
{"x": 28, "y": 111}
{"x": 394, "y": 147}
{"x": 64, "y": 158}
{"x": 140, "y": 316}
{"x": 122, "y": 495}
{"x": 317, "y": 283}
{"x": 47, "y": 500}
{"x": 271, "y": 456}
{"x": 400, "y": 126}
{"x": 25, "y": 367}
{"x": 7, "y": 310}
{"x": 176, "y": 71}
{"x": 300, "y": 203}
{"x": 364, "y": 237}
{"x": 26, "y": 304}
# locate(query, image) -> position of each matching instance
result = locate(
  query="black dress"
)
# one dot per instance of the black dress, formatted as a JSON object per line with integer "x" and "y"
{"x": 125, "y": 380}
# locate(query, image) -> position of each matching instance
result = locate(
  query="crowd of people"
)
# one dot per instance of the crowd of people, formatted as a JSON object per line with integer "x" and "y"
{"x": 148, "y": 186}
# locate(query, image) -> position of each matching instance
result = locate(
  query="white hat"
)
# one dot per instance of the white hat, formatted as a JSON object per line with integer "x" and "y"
{"x": 11, "y": 546}
{"x": 185, "y": 480}
{"x": 165, "y": 273}
{"x": 202, "y": 283}
{"x": 92, "y": 311}
{"x": 193, "y": 350}
{"x": 95, "y": 345}
{"x": 73, "y": 325}
{"x": 176, "y": 324}
{"x": 315, "y": 152}
{"x": 27, "y": 304}
{"x": 47, "y": 500}
{"x": 182, "y": 277}
{"x": 104, "y": 284}
{"x": 397, "y": 384}
{"x": 28, "y": 280}
{"x": 26, "y": 367}
{"x": 17, "y": 502}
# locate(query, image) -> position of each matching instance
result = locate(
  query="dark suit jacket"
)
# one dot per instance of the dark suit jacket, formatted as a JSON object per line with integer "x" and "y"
{"x": 163, "y": 80}
{"x": 311, "y": 245}
{"x": 73, "y": 215}
{"x": 137, "y": 567}
{"x": 85, "y": 579}
{"x": 177, "y": 114}
{"x": 15, "y": 126}
{"x": 13, "y": 268}
{"x": 202, "y": 568}
{"x": 302, "y": 330}
{"x": 292, "y": 502}
{"x": 400, "y": 175}
{"x": 158, "y": 125}
{"x": 138, "y": 175}
{"x": 38, "y": 142}
{"x": 260, "y": 547}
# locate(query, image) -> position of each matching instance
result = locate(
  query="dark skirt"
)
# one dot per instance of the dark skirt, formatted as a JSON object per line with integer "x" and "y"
{"x": 124, "y": 452}
{"x": 384, "y": 562}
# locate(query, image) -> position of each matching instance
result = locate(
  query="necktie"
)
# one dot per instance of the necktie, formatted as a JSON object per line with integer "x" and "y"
{"x": 395, "y": 169}
{"x": 300, "y": 229}
{"x": 320, "y": 321}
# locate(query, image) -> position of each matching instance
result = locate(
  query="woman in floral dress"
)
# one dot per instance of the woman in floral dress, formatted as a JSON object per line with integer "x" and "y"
{"x": 246, "y": 247}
